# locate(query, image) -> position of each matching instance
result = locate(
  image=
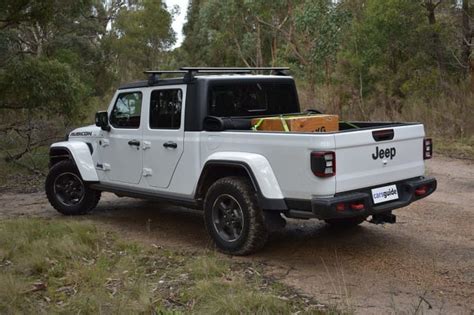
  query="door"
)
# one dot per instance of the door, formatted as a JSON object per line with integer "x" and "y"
{"x": 163, "y": 138}
{"x": 121, "y": 147}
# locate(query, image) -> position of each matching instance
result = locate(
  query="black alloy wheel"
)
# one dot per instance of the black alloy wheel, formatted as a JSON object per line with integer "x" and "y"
{"x": 233, "y": 217}
{"x": 69, "y": 189}
{"x": 67, "y": 192}
{"x": 227, "y": 217}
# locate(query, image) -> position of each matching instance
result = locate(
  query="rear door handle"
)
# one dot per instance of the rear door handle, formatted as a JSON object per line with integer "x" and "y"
{"x": 170, "y": 144}
{"x": 134, "y": 142}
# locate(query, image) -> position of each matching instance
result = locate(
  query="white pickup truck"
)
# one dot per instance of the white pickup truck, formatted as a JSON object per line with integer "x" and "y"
{"x": 189, "y": 141}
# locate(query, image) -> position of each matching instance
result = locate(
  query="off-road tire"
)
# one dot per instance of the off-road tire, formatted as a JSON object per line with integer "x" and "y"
{"x": 254, "y": 233}
{"x": 85, "y": 205}
{"x": 346, "y": 222}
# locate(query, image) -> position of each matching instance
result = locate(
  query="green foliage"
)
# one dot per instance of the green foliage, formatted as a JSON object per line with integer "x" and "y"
{"x": 139, "y": 38}
{"x": 321, "y": 23}
{"x": 61, "y": 59}
{"x": 46, "y": 87}
{"x": 51, "y": 58}
{"x": 381, "y": 43}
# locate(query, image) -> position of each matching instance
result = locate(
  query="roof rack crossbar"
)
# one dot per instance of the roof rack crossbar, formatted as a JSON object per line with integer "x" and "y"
{"x": 230, "y": 69}
{"x": 164, "y": 71}
{"x": 190, "y": 72}
{"x": 154, "y": 75}
{"x": 222, "y": 71}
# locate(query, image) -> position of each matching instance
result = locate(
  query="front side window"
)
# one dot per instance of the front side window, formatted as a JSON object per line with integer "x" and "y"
{"x": 127, "y": 110}
{"x": 165, "y": 109}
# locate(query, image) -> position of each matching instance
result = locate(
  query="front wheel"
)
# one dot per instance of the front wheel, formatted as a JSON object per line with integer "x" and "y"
{"x": 67, "y": 192}
{"x": 233, "y": 218}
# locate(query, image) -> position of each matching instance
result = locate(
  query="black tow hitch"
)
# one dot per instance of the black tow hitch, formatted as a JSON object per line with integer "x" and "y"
{"x": 383, "y": 218}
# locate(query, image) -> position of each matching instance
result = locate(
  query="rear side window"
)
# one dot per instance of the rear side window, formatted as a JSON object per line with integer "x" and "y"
{"x": 127, "y": 110}
{"x": 165, "y": 109}
{"x": 252, "y": 99}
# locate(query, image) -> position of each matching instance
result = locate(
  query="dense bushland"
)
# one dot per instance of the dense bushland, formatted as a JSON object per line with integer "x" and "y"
{"x": 362, "y": 59}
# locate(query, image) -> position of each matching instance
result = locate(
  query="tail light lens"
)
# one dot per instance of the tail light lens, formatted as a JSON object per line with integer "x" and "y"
{"x": 323, "y": 164}
{"x": 420, "y": 191}
{"x": 427, "y": 148}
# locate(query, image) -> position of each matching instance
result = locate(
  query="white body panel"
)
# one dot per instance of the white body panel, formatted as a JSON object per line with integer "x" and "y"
{"x": 82, "y": 157}
{"x": 159, "y": 162}
{"x": 260, "y": 167}
{"x": 355, "y": 167}
{"x": 287, "y": 155}
{"x": 121, "y": 161}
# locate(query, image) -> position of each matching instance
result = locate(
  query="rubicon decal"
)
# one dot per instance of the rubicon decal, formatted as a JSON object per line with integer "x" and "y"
{"x": 384, "y": 153}
{"x": 81, "y": 134}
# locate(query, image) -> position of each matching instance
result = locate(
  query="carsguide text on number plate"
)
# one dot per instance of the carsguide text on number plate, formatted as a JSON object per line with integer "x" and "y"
{"x": 383, "y": 194}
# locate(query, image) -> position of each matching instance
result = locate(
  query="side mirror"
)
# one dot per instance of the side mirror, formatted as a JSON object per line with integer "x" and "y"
{"x": 102, "y": 120}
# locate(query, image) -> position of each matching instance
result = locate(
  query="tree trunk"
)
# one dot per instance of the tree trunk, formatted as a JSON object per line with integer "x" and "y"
{"x": 312, "y": 86}
{"x": 467, "y": 42}
{"x": 274, "y": 50}
{"x": 259, "y": 57}
{"x": 430, "y": 7}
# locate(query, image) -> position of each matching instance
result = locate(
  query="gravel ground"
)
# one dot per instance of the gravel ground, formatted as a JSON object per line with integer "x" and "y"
{"x": 422, "y": 264}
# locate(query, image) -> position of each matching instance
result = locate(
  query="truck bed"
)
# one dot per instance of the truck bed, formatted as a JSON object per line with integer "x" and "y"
{"x": 244, "y": 124}
{"x": 289, "y": 155}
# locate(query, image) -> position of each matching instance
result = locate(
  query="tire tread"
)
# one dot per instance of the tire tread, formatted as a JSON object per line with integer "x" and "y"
{"x": 91, "y": 198}
{"x": 257, "y": 234}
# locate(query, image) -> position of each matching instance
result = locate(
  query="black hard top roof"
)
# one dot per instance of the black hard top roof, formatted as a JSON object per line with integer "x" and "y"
{"x": 220, "y": 78}
{"x": 192, "y": 74}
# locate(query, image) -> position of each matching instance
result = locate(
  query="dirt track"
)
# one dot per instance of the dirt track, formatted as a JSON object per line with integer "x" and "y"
{"x": 424, "y": 263}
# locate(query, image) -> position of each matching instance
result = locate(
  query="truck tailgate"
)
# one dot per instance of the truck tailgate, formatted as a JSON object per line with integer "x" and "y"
{"x": 362, "y": 161}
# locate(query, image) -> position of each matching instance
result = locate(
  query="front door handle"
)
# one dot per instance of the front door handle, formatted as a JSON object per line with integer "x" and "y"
{"x": 170, "y": 144}
{"x": 134, "y": 142}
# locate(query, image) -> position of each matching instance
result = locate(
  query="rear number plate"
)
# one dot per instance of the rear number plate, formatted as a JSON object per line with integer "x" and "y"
{"x": 383, "y": 194}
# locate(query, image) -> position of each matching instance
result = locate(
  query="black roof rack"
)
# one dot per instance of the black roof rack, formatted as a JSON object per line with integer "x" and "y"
{"x": 154, "y": 75}
{"x": 232, "y": 69}
{"x": 190, "y": 72}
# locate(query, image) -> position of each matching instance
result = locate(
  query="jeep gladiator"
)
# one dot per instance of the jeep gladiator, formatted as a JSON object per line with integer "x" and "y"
{"x": 188, "y": 140}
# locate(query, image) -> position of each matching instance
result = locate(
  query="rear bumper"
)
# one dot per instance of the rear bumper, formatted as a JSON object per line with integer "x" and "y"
{"x": 326, "y": 208}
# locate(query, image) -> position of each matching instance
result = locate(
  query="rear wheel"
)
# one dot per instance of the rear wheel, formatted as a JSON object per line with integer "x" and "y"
{"x": 67, "y": 192}
{"x": 346, "y": 222}
{"x": 233, "y": 218}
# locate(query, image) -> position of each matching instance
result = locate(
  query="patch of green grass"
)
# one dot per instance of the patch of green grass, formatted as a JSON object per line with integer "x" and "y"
{"x": 73, "y": 267}
{"x": 235, "y": 296}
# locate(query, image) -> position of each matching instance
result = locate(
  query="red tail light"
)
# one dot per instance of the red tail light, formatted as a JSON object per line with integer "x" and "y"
{"x": 341, "y": 207}
{"x": 357, "y": 206}
{"x": 427, "y": 148}
{"x": 420, "y": 191}
{"x": 323, "y": 164}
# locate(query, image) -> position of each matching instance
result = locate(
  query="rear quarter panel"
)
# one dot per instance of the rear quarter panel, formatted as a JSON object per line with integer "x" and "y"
{"x": 288, "y": 155}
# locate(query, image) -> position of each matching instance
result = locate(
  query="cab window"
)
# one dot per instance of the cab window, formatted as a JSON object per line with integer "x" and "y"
{"x": 165, "y": 109}
{"x": 252, "y": 99}
{"x": 127, "y": 110}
